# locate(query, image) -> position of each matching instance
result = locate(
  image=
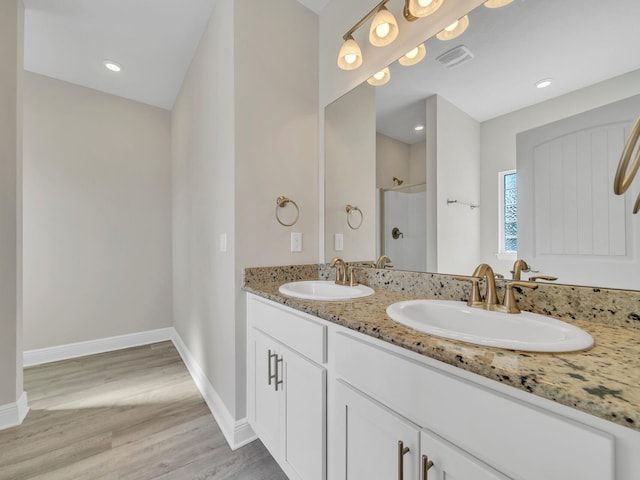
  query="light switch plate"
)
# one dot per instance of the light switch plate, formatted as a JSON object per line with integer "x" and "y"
{"x": 296, "y": 241}
{"x": 338, "y": 242}
{"x": 223, "y": 242}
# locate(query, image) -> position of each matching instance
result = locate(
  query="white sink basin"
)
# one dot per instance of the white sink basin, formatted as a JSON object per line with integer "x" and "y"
{"x": 324, "y": 290}
{"x": 522, "y": 331}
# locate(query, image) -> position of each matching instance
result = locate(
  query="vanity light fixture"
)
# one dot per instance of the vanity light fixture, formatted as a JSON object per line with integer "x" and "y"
{"x": 380, "y": 78}
{"x": 384, "y": 28}
{"x": 414, "y": 9}
{"x": 111, "y": 65}
{"x": 350, "y": 56}
{"x": 544, "y": 83}
{"x": 413, "y": 56}
{"x": 497, "y": 3}
{"x": 454, "y": 30}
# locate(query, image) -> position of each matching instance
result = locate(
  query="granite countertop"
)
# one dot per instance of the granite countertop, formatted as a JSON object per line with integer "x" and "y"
{"x": 603, "y": 380}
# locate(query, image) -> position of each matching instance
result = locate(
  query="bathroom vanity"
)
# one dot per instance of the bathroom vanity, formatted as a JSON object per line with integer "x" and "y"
{"x": 337, "y": 390}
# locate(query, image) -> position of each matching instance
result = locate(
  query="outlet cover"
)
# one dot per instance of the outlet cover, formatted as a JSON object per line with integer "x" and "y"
{"x": 296, "y": 241}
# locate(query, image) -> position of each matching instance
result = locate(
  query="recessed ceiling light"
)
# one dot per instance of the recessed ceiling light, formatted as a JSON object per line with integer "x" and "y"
{"x": 418, "y": 128}
{"x": 111, "y": 65}
{"x": 544, "y": 83}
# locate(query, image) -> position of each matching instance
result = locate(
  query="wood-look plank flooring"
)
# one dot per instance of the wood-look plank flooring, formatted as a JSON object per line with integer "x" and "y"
{"x": 132, "y": 414}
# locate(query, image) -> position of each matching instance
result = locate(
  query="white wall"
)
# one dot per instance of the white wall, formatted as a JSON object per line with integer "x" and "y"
{"x": 498, "y": 146}
{"x": 11, "y": 48}
{"x": 97, "y": 216}
{"x": 418, "y": 162}
{"x": 457, "y": 147}
{"x": 244, "y": 131}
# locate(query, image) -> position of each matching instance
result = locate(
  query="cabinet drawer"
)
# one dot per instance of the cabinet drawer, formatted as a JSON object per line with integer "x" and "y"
{"x": 295, "y": 329}
{"x": 520, "y": 440}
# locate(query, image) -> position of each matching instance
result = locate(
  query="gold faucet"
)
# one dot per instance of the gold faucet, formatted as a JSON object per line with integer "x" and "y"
{"x": 384, "y": 262}
{"x": 520, "y": 266}
{"x": 490, "y": 302}
{"x": 341, "y": 270}
{"x": 490, "y": 297}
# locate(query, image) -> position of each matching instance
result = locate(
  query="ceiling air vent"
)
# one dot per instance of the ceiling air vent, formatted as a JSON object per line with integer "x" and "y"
{"x": 455, "y": 56}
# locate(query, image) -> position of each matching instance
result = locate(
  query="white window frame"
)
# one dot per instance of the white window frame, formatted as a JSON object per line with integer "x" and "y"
{"x": 502, "y": 253}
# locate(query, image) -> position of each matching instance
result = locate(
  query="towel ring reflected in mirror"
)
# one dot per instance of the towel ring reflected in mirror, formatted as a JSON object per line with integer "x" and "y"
{"x": 353, "y": 210}
{"x": 624, "y": 173}
{"x": 281, "y": 203}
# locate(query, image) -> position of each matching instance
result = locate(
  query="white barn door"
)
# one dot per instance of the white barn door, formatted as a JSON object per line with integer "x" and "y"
{"x": 570, "y": 223}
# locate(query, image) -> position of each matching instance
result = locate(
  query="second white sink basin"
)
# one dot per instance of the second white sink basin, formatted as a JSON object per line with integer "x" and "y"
{"x": 523, "y": 331}
{"x": 324, "y": 290}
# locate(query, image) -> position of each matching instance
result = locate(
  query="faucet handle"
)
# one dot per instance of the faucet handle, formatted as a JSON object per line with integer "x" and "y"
{"x": 543, "y": 277}
{"x": 475, "y": 300}
{"x": 510, "y": 305}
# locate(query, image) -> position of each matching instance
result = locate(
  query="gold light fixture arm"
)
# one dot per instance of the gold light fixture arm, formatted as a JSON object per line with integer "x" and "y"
{"x": 364, "y": 19}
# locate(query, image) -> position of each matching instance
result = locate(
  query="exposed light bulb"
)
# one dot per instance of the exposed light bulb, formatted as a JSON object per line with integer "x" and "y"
{"x": 412, "y": 53}
{"x": 383, "y": 30}
{"x": 421, "y": 8}
{"x": 418, "y": 128}
{"x": 453, "y": 26}
{"x": 380, "y": 78}
{"x": 413, "y": 56}
{"x": 454, "y": 30}
{"x": 350, "y": 58}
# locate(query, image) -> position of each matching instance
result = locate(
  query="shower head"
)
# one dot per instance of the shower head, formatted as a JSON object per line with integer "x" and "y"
{"x": 397, "y": 181}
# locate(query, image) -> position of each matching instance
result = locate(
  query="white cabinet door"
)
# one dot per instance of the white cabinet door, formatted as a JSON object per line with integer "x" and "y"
{"x": 305, "y": 416}
{"x": 451, "y": 463}
{"x": 371, "y": 442}
{"x": 264, "y": 409}
{"x": 287, "y": 406}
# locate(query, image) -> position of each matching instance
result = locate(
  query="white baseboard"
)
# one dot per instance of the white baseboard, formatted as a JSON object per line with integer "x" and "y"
{"x": 13, "y": 414}
{"x": 91, "y": 347}
{"x": 236, "y": 432}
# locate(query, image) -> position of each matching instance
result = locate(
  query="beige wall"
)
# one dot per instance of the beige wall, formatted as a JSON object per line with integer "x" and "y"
{"x": 350, "y": 174}
{"x": 498, "y": 146}
{"x": 97, "y": 216}
{"x": 11, "y": 28}
{"x": 203, "y": 205}
{"x": 393, "y": 159}
{"x": 244, "y": 131}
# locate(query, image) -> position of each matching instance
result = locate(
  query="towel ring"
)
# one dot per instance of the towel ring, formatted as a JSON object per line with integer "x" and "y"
{"x": 282, "y": 202}
{"x": 624, "y": 175}
{"x": 351, "y": 209}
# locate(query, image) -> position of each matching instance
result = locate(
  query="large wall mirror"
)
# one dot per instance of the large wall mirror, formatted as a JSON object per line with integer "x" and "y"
{"x": 426, "y": 157}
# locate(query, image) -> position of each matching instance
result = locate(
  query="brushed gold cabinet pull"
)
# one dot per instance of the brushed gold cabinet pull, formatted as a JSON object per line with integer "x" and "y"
{"x": 279, "y": 381}
{"x": 426, "y": 465}
{"x": 270, "y": 373}
{"x": 402, "y": 451}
